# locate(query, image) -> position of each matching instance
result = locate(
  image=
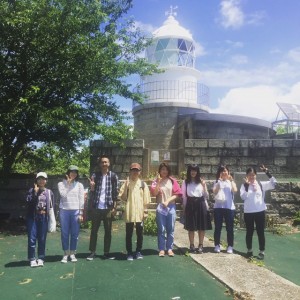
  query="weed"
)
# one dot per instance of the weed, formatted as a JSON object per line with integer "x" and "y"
{"x": 150, "y": 227}
{"x": 296, "y": 219}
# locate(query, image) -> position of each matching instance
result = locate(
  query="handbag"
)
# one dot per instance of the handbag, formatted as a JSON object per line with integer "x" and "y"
{"x": 220, "y": 196}
{"x": 51, "y": 216}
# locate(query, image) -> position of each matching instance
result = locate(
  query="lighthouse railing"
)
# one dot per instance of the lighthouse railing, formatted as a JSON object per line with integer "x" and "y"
{"x": 174, "y": 91}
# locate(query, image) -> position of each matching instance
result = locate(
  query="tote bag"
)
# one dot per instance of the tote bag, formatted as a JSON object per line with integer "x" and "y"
{"x": 51, "y": 216}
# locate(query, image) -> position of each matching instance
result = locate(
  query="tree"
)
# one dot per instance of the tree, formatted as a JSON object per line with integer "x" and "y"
{"x": 62, "y": 62}
{"x": 50, "y": 159}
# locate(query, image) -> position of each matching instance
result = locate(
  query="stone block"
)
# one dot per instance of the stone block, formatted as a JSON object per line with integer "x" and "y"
{"x": 296, "y": 152}
{"x": 227, "y": 152}
{"x": 244, "y": 143}
{"x": 209, "y": 152}
{"x": 121, "y": 151}
{"x": 192, "y": 160}
{"x": 285, "y": 197}
{"x": 264, "y": 143}
{"x": 192, "y": 152}
{"x": 205, "y": 169}
{"x": 192, "y": 143}
{"x": 117, "y": 169}
{"x": 210, "y": 160}
{"x": 282, "y": 143}
{"x": 280, "y": 161}
{"x": 136, "y": 151}
{"x": 295, "y": 187}
{"x": 296, "y": 143}
{"x": 232, "y": 143}
{"x": 216, "y": 143}
{"x": 283, "y": 151}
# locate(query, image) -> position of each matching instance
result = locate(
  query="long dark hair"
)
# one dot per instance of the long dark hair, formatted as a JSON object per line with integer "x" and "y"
{"x": 250, "y": 170}
{"x": 220, "y": 170}
{"x": 188, "y": 174}
{"x": 77, "y": 177}
{"x": 162, "y": 165}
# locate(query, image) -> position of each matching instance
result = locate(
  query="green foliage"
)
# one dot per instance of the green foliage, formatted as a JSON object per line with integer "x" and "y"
{"x": 257, "y": 262}
{"x": 150, "y": 227}
{"x": 86, "y": 225}
{"x": 53, "y": 160}
{"x": 296, "y": 219}
{"x": 61, "y": 65}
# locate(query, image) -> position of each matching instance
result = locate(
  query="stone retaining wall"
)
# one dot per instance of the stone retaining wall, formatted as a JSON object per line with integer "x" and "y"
{"x": 281, "y": 156}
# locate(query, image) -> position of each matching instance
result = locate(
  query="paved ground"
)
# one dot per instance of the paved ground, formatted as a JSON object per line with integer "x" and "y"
{"x": 247, "y": 280}
{"x": 205, "y": 276}
{"x": 151, "y": 278}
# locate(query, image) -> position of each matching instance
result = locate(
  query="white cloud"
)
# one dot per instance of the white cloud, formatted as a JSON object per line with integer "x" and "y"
{"x": 235, "y": 44}
{"x": 256, "y": 18}
{"x": 231, "y": 14}
{"x": 146, "y": 28}
{"x": 283, "y": 73}
{"x": 239, "y": 59}
{"x": 257, "y": 101}
{"x": 294, "y": 54}
{"x": 199, "y": 49}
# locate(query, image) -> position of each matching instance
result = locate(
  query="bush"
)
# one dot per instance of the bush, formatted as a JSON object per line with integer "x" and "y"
{"x": 296, "y": 219}
{"x": 150, "y": 227}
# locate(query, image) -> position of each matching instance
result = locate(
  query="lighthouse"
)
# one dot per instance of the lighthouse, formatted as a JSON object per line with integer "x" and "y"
{"x": 174, "y": 92}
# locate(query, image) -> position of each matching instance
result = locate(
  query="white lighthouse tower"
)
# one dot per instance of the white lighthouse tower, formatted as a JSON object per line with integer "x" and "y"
{"x": 174, "y": 92}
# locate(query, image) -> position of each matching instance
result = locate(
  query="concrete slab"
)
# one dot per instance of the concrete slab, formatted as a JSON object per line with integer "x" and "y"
{"x": 241, "y": 276}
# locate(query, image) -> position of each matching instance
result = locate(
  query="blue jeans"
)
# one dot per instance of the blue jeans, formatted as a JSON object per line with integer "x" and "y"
{"x": 228, "y": 215}
{"x": 37, "y": 228}
{"x": 166, "y": 224}
{"x": 69, "y": 229}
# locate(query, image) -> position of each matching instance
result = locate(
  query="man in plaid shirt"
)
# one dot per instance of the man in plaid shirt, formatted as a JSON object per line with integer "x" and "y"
{"x": 104, "y": 193}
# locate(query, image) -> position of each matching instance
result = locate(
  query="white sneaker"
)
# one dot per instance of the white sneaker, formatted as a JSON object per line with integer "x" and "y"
{"x": 64, "y": 260}
{"x": 33, "y": 264}
{"x": 229, "y": 250}
{"x": 91, "y": 256}
{"x": 73, "y": 258}
{"x": 217, "y": 249}
{"x": 40, "y": 262}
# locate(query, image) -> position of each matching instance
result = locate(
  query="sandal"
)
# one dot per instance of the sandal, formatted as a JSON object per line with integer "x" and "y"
{"x": 171, "y": 253}
{"x": 161, "y": 253}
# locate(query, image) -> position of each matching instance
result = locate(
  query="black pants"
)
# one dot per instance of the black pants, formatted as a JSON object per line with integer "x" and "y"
{"x": 258, "y": 219}
{"x": 139, "y": 235}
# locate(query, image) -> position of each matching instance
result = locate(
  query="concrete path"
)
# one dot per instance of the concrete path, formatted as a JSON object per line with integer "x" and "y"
{"x": 245, "y": 279}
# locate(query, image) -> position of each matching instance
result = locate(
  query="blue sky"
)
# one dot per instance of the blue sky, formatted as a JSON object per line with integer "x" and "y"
{"x": 248, "y": 51}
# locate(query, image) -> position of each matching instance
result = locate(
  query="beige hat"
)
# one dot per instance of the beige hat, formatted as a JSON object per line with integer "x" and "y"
{"x": 41, "y": 174}
{"x": 135, "y": 166}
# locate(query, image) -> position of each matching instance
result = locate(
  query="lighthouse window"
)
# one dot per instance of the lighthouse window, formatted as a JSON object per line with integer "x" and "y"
{"x": 162, "y": 44}
{"x": 182, "y": 45}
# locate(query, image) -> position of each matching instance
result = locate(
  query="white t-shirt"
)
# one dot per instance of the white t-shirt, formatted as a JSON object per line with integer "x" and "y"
{"x": 101, "y": 204}
{"x": 227, "y": 188}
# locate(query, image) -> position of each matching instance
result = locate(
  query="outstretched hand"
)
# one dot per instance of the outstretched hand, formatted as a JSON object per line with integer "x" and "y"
{"x": 263, "y": 168}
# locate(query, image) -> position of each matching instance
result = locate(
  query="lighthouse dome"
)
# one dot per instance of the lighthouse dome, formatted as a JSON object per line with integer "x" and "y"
{"x": 171, "y": 28}
{"x": 172, "y": 46}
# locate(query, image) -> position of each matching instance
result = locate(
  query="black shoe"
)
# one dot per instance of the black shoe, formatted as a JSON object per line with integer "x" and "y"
{"x": 199, "y": 249}
{"x": 249, "y": 254}
{"x": 108, "y": 256}
{"x": 192, "y": 249}
{"x": 261, "y": 255}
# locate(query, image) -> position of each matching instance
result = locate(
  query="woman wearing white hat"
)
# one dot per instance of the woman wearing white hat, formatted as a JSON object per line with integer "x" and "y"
{"x": 39, "y": 200}
{"x": 70, "y": 211}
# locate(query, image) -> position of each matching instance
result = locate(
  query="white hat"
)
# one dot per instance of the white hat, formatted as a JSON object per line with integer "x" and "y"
{"x": 41, "y": 174}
